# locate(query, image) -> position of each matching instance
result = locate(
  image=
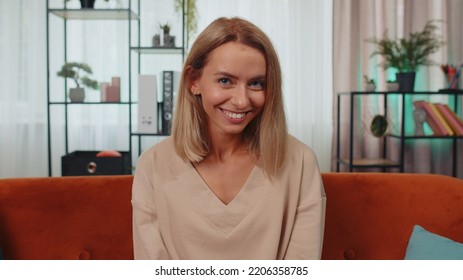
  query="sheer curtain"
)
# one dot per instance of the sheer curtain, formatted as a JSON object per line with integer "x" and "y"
{"x": 23, "y": 140}
{"x": 300, "y": 30}
{"x": 357, "y": 20}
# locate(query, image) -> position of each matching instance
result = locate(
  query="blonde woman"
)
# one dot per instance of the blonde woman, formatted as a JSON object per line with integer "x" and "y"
{"x": 230, "y": 183}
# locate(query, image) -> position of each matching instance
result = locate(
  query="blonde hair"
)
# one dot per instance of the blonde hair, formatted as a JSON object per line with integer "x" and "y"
{"x": 266, "y": 135}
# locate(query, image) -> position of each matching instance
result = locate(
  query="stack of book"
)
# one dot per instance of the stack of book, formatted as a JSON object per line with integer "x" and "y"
{"x": 442, "y": 120}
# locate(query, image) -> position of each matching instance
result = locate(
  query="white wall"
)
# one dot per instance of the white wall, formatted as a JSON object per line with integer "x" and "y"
{"x": 300, "y": 29}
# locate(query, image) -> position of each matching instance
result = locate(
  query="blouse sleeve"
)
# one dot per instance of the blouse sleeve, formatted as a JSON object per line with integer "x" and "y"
{"x": 307, "y": 235}
{"x": 147, "y": 239}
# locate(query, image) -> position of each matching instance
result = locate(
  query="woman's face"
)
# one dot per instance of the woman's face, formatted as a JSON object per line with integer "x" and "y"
{"x": 232, "y": 88}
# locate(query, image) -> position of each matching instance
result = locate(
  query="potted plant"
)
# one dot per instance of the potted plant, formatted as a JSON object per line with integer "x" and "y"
{"x": 73, "y": 70}
{"x": 392, "y": 85}
{"x": 370, "y": 84}
{"x": 408, "y": 54}
{"x": 87, "y": 4}
{"x": 164, "y": 39}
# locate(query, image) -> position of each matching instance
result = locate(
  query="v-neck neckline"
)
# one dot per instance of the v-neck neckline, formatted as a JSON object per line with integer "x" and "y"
{"x": 219, "y": 201}
{"x": 227, "y": 217}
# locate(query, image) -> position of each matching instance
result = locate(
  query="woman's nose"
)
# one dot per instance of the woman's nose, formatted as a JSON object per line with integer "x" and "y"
{"x": 240, "y": 98}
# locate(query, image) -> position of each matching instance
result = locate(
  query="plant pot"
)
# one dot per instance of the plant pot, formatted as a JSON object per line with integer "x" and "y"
{"x": 406, "y": 81}
{"x": 370, "y": 87}
{"x": 392, "y": 87}
{"x": 77, "y": 95}
{"x": 87, "y": 4}
{"x": 168, "y": 41}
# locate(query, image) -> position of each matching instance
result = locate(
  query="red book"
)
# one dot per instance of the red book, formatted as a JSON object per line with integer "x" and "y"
{"x": 452, "y": 119}
{"x": 431, "y": 118}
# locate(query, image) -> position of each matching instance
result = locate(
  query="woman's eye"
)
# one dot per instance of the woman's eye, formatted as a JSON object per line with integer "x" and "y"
{"x": 257, "y": 85}
{"x": 224, "y": 81}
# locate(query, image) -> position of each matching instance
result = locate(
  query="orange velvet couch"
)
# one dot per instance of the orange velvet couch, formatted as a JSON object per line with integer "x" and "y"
{"x": 368, "y": 215}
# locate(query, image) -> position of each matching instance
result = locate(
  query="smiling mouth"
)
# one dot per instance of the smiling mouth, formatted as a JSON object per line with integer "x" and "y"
{"x": 232, "y": 115}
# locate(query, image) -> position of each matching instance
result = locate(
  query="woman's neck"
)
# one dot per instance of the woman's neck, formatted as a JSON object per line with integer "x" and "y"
{"x": 224, "y": 147}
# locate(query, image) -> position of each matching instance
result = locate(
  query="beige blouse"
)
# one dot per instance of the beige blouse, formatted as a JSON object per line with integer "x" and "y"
{"x": 177, "y": 216}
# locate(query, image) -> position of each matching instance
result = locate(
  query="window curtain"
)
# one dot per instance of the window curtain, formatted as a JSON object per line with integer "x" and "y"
{"x": 23, "y": 140}
{"x": 300, "y": 30}
{"x": 354, "y": 22}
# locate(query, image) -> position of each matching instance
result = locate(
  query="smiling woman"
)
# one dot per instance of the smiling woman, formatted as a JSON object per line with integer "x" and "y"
{"x": 230, "y": 183}
{"x": 231, "y": 89}
{"x": 232, "y": 96}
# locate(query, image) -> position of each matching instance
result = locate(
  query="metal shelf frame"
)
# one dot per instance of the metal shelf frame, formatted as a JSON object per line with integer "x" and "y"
{"x": 383, "y": 162}
{"x": 129, "y": 15}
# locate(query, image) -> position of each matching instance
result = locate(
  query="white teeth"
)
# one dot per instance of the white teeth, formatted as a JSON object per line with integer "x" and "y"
{"x": 235, "y": 115}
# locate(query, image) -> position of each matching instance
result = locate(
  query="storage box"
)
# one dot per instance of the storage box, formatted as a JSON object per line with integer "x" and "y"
{"x": 80, "y": 163}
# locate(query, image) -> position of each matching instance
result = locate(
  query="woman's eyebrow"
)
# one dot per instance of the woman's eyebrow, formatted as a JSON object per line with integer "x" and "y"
{"x": 223, "y": 73}
{"x": 226, "y": 74}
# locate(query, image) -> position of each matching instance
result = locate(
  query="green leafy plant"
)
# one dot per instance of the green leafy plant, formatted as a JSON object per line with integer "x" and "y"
{"x": 368, "y": 81}
{"x": 165, "y": 28}
{"x": 408, "y": 54}
{"x": 191, "y": 14}
{"x": 73, "y": 70}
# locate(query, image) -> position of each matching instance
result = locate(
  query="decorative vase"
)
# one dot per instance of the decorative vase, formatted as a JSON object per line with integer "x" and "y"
{"x": 406, "y": 81}
{"x": 370, "y": 87}
{"x": 392, "y": 87}
{"x": 168, "y": 41}
{"x": 77, "y": 95}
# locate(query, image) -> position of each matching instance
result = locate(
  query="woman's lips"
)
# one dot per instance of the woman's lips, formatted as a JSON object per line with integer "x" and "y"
{"x": 234, "y": 117}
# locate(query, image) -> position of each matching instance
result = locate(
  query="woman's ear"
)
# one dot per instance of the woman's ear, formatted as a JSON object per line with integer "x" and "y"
{"x": 193, "y": 82}
{"x": 194, "y": 87}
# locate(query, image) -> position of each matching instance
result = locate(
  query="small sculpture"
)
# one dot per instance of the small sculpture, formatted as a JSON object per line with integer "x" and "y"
{"x": 419, "y": 117}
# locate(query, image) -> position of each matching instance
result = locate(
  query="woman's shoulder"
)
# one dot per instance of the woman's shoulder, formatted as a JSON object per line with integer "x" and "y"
{"x": 297, "y": 147}
{"x": 165, "y": 145}
{"x": 299, "y": 153}
{"x": 162, "y": 152}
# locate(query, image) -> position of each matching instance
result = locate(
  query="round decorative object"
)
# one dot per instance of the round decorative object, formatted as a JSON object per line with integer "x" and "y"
{"x": 379, "y": 126}
{"x": 91, "y": 167}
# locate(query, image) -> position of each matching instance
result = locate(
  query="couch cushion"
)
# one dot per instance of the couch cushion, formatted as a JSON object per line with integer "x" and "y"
{"x": 425, "y": 245}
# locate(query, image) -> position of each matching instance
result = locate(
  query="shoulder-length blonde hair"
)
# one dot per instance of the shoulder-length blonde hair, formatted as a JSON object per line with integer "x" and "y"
{"x": 266, "y": 135}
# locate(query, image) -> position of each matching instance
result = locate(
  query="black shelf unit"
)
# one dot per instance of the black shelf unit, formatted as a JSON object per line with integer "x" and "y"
{"x": 122, "y": 14}
{"x": 140, "y": 51}
{"x": 401, "y": 136}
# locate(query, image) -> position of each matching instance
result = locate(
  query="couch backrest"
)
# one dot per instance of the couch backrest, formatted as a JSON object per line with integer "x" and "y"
{"x": 371, "y": 215}
{"x": 66, "y": 218}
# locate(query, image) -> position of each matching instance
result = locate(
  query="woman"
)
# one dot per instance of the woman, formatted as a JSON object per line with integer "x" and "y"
{"x": 230, "y": 183}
